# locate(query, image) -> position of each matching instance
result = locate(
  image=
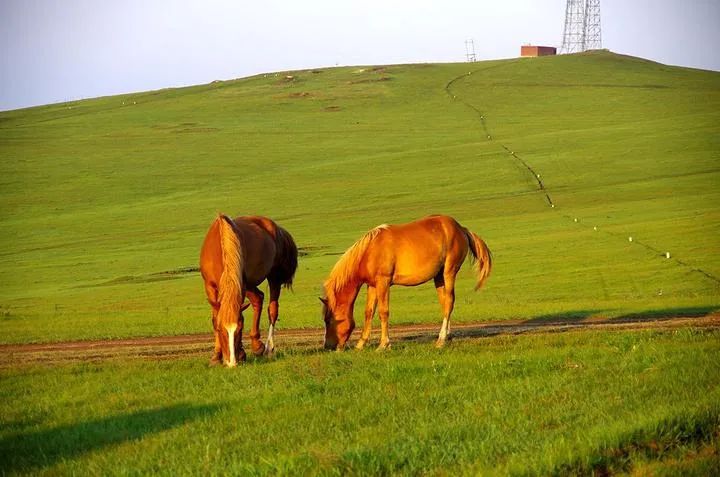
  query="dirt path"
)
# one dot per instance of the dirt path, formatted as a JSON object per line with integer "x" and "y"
{"x": 168, "y": 347}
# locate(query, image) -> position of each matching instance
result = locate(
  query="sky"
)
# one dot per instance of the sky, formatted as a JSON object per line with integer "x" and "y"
{"x": 64, "y": 50}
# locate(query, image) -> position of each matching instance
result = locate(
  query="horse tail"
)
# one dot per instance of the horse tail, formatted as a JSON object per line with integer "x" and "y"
{"x": 230, "y": 287}
{"x": 288, "y": 255}
{"x": 481, "y": 256}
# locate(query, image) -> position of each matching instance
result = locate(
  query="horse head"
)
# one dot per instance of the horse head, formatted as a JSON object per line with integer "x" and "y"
{"x": 230, "y": 340}
{"x": 339, "y": 324}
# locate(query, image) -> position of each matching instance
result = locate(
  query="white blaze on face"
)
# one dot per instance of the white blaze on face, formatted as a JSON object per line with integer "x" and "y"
{"x": 231, "y": 344}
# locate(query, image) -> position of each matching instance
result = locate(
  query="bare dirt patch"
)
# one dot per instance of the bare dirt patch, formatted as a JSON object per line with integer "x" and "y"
{"x": 168, "y": 347}
{"x": 371, "y": 80}
{"x": 147, "y": 278}
{"x": 196, "y": 130}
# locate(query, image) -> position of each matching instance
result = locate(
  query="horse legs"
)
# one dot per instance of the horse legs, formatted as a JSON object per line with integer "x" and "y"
{"x": 369, "y": 312}
{"x": 256, "y": 297}
{"x": 383, "y": 297}
{"x": 447, "y": 302}
{"x": 273, "y": 309}
{"x": 212, "y": 297}
{"x": 216, "y": 357}
{"x": 239, "y": 350}
{"x": 440, "y": 289}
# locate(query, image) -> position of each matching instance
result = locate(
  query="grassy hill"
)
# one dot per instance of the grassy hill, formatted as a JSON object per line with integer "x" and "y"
{"x": 104, "y": 203}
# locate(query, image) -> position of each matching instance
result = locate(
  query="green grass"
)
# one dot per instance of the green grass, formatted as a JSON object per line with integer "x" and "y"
{"x": 534, "y": 404}
{"x": 99, "y": 197}
{"x": 104, "y": 204}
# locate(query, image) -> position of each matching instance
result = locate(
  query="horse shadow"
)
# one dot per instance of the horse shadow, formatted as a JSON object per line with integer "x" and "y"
{"x": 560, "y": 322}
{"x": 665, "y": 314}
{"x": 30, "y": 451}
{"x": 565, "y": 317}
{"x": 596, "y": 316}
{"x": 548, "y": 323}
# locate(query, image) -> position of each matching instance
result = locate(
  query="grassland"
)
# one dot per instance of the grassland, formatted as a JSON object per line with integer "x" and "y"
{"x": 536, "y": 404}
{"x": 104, "y": 202}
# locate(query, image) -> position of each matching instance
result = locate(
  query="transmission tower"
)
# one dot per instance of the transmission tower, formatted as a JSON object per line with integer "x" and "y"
{"x": 582, "y": 26}
{"x": 470, "y": 50}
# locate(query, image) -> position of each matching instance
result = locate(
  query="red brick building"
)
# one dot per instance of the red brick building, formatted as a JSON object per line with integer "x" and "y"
{"x": 530, "y": 50}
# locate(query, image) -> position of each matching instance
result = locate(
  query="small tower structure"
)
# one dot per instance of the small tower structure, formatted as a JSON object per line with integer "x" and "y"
{"x": 470, "y": 50}
{"x": 582, "y": 26}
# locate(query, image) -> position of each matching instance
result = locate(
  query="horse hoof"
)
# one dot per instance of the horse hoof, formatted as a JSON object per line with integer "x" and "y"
{"x": 360, "y": 345}
{"x": 214, "y": 361}
{"x": 440, "y": 344}
{"x": 241, "y": 356}
{"x": 259, "y": 350}
{"x": 269, "y": 351}
{"x": 384, "y": 347}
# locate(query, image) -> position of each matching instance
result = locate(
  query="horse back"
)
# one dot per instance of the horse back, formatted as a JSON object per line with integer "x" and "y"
{"x": 264, "y": 235}
{"x": 415, "y": 252}
{"x": 263, "y": 223}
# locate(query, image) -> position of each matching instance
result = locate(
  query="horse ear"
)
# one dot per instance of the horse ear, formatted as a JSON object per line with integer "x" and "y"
{"x": 244, "y": 306}
{"x": 323, "y": 300}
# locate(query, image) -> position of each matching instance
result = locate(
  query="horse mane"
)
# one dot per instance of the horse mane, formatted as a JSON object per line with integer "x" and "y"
{"x": 230, "y": 286}
{"x": 345, "y": 268}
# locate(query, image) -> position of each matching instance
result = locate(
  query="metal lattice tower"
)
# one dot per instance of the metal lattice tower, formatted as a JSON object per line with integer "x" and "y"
{"x": 470, "y": 50}
{"x": 582, "y": 26}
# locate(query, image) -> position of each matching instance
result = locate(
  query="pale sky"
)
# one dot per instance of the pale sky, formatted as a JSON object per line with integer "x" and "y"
{"x": 60, "y": 50}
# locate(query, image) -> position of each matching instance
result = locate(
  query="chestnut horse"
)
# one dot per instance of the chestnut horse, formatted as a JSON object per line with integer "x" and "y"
{"x": 236, "y": 256}
{"x": 409, "y": 254}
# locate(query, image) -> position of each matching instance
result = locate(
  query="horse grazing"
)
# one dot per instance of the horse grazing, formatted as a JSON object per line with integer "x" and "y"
{"x": 408, "y": 254}
{"x": 236, "y": 256}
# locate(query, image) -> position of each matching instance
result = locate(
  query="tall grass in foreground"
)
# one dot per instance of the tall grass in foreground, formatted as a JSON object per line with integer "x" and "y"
{"x": 536, "y": 404}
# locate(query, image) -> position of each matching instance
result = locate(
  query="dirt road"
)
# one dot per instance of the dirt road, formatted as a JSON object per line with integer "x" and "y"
{"x": 168, "y": 347}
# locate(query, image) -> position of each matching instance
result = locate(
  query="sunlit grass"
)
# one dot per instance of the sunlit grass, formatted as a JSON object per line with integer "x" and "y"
{"x": 537, "y": 404}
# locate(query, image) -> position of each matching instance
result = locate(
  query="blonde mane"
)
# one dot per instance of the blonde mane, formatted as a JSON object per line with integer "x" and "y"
{"x": 230, "y": 286}
{"x": 345, "y": 268}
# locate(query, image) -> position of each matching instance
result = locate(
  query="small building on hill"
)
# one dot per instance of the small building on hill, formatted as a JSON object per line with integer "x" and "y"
{"x": 531, "y": 50}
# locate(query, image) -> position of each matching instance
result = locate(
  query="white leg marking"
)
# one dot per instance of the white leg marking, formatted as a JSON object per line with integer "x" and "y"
{"x": 231, "y": 343}
{"x": 270, "y": 341}
{"x": 443, "y": 330}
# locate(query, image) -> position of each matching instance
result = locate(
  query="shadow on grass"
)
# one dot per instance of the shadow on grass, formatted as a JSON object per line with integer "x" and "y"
{"x": 669, "y": 313}
{"x": 595, "y": 316}
{"x": 554, "y": 323}
{"x": 676, "y": 435}
{"x": 565, "y": 317}
{"x": 33, "y": 450}
{"x": 559, "y": 322}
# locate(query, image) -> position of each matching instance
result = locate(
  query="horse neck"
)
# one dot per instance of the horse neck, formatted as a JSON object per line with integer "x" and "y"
{"x": 344, "y": 298}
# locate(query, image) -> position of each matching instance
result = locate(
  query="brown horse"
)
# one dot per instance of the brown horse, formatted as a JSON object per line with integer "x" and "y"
{"x": 409, "y": 254}
{"x": 236, "y": 256}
